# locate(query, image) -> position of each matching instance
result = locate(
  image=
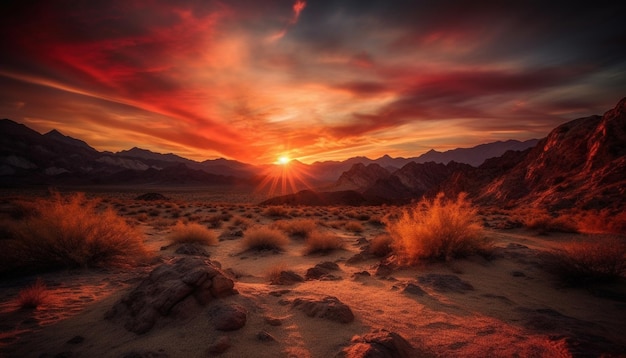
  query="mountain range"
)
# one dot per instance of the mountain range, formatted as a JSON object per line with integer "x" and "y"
{"x": 30, "y": 158}
{"x": 581, "y": 163}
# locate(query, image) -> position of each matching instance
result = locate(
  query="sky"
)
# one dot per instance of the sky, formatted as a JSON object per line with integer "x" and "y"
{"x": 314, "y": 80}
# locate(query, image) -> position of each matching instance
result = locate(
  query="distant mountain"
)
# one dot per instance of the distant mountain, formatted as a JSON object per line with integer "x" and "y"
{"x": 361, "y": 176}
{"x": 152, "y": 156}
{"x": 474, "y": 156}
{"x": 58, "y": 136}
{"x": 477, "y": 155}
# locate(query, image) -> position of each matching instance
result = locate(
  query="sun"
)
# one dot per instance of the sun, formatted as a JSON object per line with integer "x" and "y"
{"x": 283, "y": 160}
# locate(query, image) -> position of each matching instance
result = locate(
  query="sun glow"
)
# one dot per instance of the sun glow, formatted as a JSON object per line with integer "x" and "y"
{"x": 284, "y": 177}
{"x": 283, "y": 160}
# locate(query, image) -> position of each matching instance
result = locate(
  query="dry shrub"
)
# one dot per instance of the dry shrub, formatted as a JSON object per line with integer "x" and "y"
{"x": 603, "y": 221}
{"x": 381, "y": 245}
{"x": 602, "y": 260}
{"x": 192, "y": 233}
{"x": 322, "y": 242}
{"x": 544, "y": 222}
{"x": 354, "y": 226}
{"x": 33, "y": 295}
{"x": 276, "y": 211}
{"x": 437, "y": 229}
{"x": 71, "y": 232}
{"x": 298, "y": 227}
{"x": 264, "y": 238}
{"x": 273, "y": 272}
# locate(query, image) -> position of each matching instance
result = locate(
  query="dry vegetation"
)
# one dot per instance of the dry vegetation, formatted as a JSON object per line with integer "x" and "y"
{"x": 34, "y": 295}
{"x": 297, "y": 227}
{"x": 579, "y": 263}
{"x": 70, "y": 232}
{"x": 192, "y": 233}
{"x": 264, "y": 238}
{"x": 438, "y": 229}
{"x": 322, "y": 242}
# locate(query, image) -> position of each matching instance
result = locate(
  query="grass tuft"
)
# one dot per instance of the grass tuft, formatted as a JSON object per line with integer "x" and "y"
{"x": 192, "y": 233}
{"x": 298, "y": 227}
{"x": 33, "y": 295}
{"x": 264, "y": 238}
{"x": 322, "y": 242}
{"x": 70, "y": 232}
{"x": 579, "y": 263}
{"x": 438, "y": 229}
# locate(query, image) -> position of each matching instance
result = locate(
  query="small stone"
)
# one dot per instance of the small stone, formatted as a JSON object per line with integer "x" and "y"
{"x": 221, "y": 345}
{"x": 265, "y": 337}
{"x": 229, "y": 317}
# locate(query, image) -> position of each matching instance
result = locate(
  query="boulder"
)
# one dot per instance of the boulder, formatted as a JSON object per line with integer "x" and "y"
{"x": 287, "y": 278}
{"x": 174, "y": 289}
{"x": 228, "y": 317}
{"x": 445, "y": 283}
{"x": 379, "y": 343}
{"x": 328, "y": 308}
{"x": 322, "y": 271}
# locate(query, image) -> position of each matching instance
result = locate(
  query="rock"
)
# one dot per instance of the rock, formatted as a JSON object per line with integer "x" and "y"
{"x": 221, "y": 345}
{"x": 328, "y": 308}
{"x": 191, "y": 250}
{"x": 228, "y": 317}
{"x": 413, "y": 289}
{"x": 445, "y": 283}
{"x": 379, "y": 343}
{"x": 151, "y": 197}
{"x": 173, "y": 290}
{"x": 322, "y": 271}
{"x": 265, "y": 337}
{"x": 287, "y": 278}
{"x": 273, "y": 321}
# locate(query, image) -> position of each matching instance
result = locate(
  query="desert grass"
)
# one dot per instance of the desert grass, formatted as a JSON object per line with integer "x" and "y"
{"x": 276, "y": 211}
{"x": 71, "y": 232}
{"x": 301, "y": 228}
{"x": 354, "y": 226}
{"x": 33, "y": 295}
{"x": 600, "y": 222}
{"x": 543, "y": 222}
{"x": 322, "y": 242}
{"x": 579, "y": 263}
{"x": 273, "y": 272}
{"x": 264, "y": 238}
{"x": 438, "y": 229}
{"x": 381, "y": 245}
{"x": 192, "y": 233}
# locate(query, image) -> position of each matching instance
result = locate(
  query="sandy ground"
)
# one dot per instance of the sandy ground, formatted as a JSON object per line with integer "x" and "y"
{"x": 515, "y": 309}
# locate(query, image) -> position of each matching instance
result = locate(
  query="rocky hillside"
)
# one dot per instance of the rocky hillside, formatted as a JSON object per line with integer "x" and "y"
{"x": 581, "y": 164}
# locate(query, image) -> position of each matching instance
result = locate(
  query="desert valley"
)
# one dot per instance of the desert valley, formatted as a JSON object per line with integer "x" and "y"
{"x": 509, "y": 249}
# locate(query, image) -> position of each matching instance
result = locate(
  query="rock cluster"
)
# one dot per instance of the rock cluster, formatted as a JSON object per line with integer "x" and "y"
{"x": 173, "y": 289}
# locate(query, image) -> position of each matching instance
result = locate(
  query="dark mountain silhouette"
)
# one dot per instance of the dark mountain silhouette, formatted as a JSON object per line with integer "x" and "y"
{"x": 58, "y": 136}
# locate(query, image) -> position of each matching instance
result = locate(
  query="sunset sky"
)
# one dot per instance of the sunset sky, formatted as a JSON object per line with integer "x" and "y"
{"x": 253, "y": 80}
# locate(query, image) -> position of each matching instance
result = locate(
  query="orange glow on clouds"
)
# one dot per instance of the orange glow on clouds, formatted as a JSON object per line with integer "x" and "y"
{"x": 321, "y": 80}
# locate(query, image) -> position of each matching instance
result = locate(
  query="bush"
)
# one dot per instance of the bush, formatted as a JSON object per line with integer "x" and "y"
{"x": 381, "y": 245}
{"x": 354, "y": 226}
{"x": 276, "y": 211}
{"x": 273, "y": 273}
{"x": 71, "y": 232}
{"x": 298, "y": 227}
{"x": 192, "y": 233}
{"x": 322, "y": 242}
{"x": 543, "y": 222}
{"x": 33, "y": 295}
{"x": 439, "y": 229}
{"x": 264, "y": 238}
{"x": 603, "y": 260}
